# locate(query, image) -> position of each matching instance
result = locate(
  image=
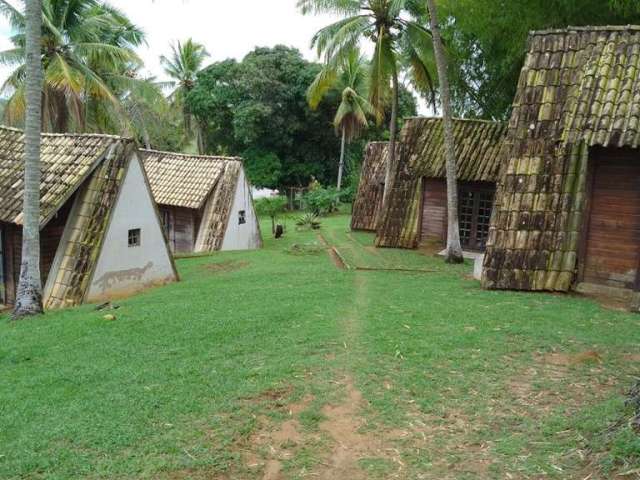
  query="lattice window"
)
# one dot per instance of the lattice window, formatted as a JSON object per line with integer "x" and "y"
{"x": 242, "y": 217}
{"x": 483, "y": 218}
{"x": 467, "y": 203}
{"x": 134, "y": 237}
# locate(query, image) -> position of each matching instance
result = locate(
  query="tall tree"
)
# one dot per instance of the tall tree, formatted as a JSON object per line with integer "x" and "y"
{"x": 486, "y": 43}
{"x": 350, "y": 78}
{"x": 88, "y": 47}
{"x": 182, "y": 66}
{"x": 29, "y": 294}
{"x": 454, "y": 248}
{"x": 396, "y": 29}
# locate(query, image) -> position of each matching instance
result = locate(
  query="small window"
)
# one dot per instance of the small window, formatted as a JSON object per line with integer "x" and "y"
{"x": 134, "y": 237}
{"x": 242, "y": 217}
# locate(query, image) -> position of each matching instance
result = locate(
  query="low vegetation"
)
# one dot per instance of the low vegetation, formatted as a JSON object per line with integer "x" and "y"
{"x": 264, "y": 361}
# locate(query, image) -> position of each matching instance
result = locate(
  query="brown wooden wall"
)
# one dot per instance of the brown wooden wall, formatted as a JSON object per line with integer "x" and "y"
{"x": 181, "y": 227}
{"x": 611, "y": 248}
{"x": 434, "y": 211}
{"x": 50, "y": 237}
{"x": 433, "y": 228}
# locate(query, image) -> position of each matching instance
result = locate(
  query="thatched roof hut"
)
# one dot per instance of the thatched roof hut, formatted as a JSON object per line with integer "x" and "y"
{"x": 568, "y": 205}
{"x": 417, "y": 204}
{"x": 100, "y": 232}
{"x": 205, "y": 202}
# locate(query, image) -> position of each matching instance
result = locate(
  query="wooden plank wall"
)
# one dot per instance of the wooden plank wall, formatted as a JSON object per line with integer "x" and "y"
{"x": 434, "y": 211}
{"x": 181, "y": 230}
{"x": 612, "y": 254}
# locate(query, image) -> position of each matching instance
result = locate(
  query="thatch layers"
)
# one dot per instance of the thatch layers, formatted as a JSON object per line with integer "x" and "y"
{"x": 184, "y": 180}
{"x": 579, "y": 88}
{"x": 66, "y": 161}
{"x": 366, "y": 205}
{"x": 422, "y": 155}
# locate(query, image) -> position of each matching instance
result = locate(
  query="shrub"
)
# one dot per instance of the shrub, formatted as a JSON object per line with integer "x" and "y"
{"x": 322, "y": 201}
{"x": 309, "y": 220}
{"x": 271, "y": 207}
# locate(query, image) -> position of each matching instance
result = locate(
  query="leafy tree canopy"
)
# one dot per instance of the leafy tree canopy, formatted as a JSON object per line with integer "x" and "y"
{"x": 257, "y": 108}
{"x": 487, "y": 39}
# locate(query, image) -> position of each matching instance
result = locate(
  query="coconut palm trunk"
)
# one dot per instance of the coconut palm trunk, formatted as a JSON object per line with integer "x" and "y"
{"x": 343, "y": 148}
{"x": 29, "y": 294}
{"x": 454, "y": 248}
{"x": 393, "y": 133}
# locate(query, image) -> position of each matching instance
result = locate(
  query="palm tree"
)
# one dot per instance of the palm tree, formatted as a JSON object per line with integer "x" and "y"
{"x": 182, "y": 66}
{"x": 29, "y": 294}
{"x": 86, "y": 45}
{"x": 350, "y": 78}
{"x": 395, "y": 27}
{"x": 454, "y": 249}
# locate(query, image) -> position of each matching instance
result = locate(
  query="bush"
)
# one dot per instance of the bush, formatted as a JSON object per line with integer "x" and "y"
{"x": 322, "y": 201}
{"x": 309, "y": 220}
{"x": 271, "y": 207}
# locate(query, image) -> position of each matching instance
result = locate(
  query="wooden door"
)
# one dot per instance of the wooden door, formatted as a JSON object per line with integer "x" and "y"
{"x": 612, "y": 253}
{"x": 434, "y": 211}
{"x": 474, "y": 205}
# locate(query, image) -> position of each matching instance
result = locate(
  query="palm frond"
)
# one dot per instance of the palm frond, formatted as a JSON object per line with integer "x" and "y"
{"x": 336, "y": 7}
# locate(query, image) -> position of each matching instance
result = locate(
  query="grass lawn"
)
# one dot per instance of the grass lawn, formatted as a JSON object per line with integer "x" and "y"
{"x": 275, "y": 364}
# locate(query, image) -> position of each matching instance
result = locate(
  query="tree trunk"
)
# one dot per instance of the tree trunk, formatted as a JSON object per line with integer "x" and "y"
{"x": 29, "y": 294}
{"x": 343, "y": 147}
{"x": 454, "y": 249}
{"x": 391, "y": 162}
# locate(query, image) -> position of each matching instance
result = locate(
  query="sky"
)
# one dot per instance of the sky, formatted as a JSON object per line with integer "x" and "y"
{"x": 228, "y": 29}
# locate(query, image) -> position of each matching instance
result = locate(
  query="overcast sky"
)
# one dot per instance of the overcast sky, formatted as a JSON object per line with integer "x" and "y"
{"x": 228, "y": 29}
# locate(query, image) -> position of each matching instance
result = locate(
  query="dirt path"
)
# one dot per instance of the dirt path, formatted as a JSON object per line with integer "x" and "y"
{"x": 342, "y": 438}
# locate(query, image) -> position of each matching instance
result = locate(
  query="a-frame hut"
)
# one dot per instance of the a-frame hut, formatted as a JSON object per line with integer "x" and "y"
{"x": 101, "y": 236}
{"x": 568, "y": 205}
{"x": 205, "y": 202}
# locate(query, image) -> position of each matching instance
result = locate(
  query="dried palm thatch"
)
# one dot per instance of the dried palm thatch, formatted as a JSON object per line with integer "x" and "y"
{"x": 366, "y": 205}
{"x": 478, "y": 145}
{"x": 579, "y": 88}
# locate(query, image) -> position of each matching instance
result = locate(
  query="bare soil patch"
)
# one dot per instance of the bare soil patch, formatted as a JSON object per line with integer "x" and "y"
{"x": 350, "y": 443}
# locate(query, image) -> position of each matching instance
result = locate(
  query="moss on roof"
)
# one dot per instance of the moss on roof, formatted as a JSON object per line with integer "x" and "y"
{"x": 478, "y": 144}
{"x": 579, "y": 88}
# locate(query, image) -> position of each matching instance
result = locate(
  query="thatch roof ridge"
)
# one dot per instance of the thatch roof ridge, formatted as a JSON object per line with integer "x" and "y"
{"x": 224, "y": 158}
{"x": 187, "y": 181}
{"x": 71, "y": 135}
{"x": 455, "y": 119}
{"x": 586, "y": 28}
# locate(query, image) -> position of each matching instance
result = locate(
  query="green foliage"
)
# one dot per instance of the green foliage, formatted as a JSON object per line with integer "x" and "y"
{"x": 182, "y": 66}
{"x": 398, "y": 34}
{"x": 487, "y": 42}
{"x": 321, "y": 201}
{"x": 88, "y": 60}
{"x": 257, "y": 109}
{"x": 309, "y": 220}
{"x": 271, "y": 207}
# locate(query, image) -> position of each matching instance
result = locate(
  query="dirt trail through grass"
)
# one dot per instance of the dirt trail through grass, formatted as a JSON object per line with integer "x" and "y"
{"x": 342, "y": 434}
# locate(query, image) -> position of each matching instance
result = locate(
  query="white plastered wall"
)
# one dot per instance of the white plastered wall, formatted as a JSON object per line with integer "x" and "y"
{"x": 244, "y": 236}
{"x": 122, "y": 270}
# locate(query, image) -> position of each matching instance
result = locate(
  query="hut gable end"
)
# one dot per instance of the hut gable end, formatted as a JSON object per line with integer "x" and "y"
{"x": 579, "y": 89}
{"x": 421, "y": 155}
